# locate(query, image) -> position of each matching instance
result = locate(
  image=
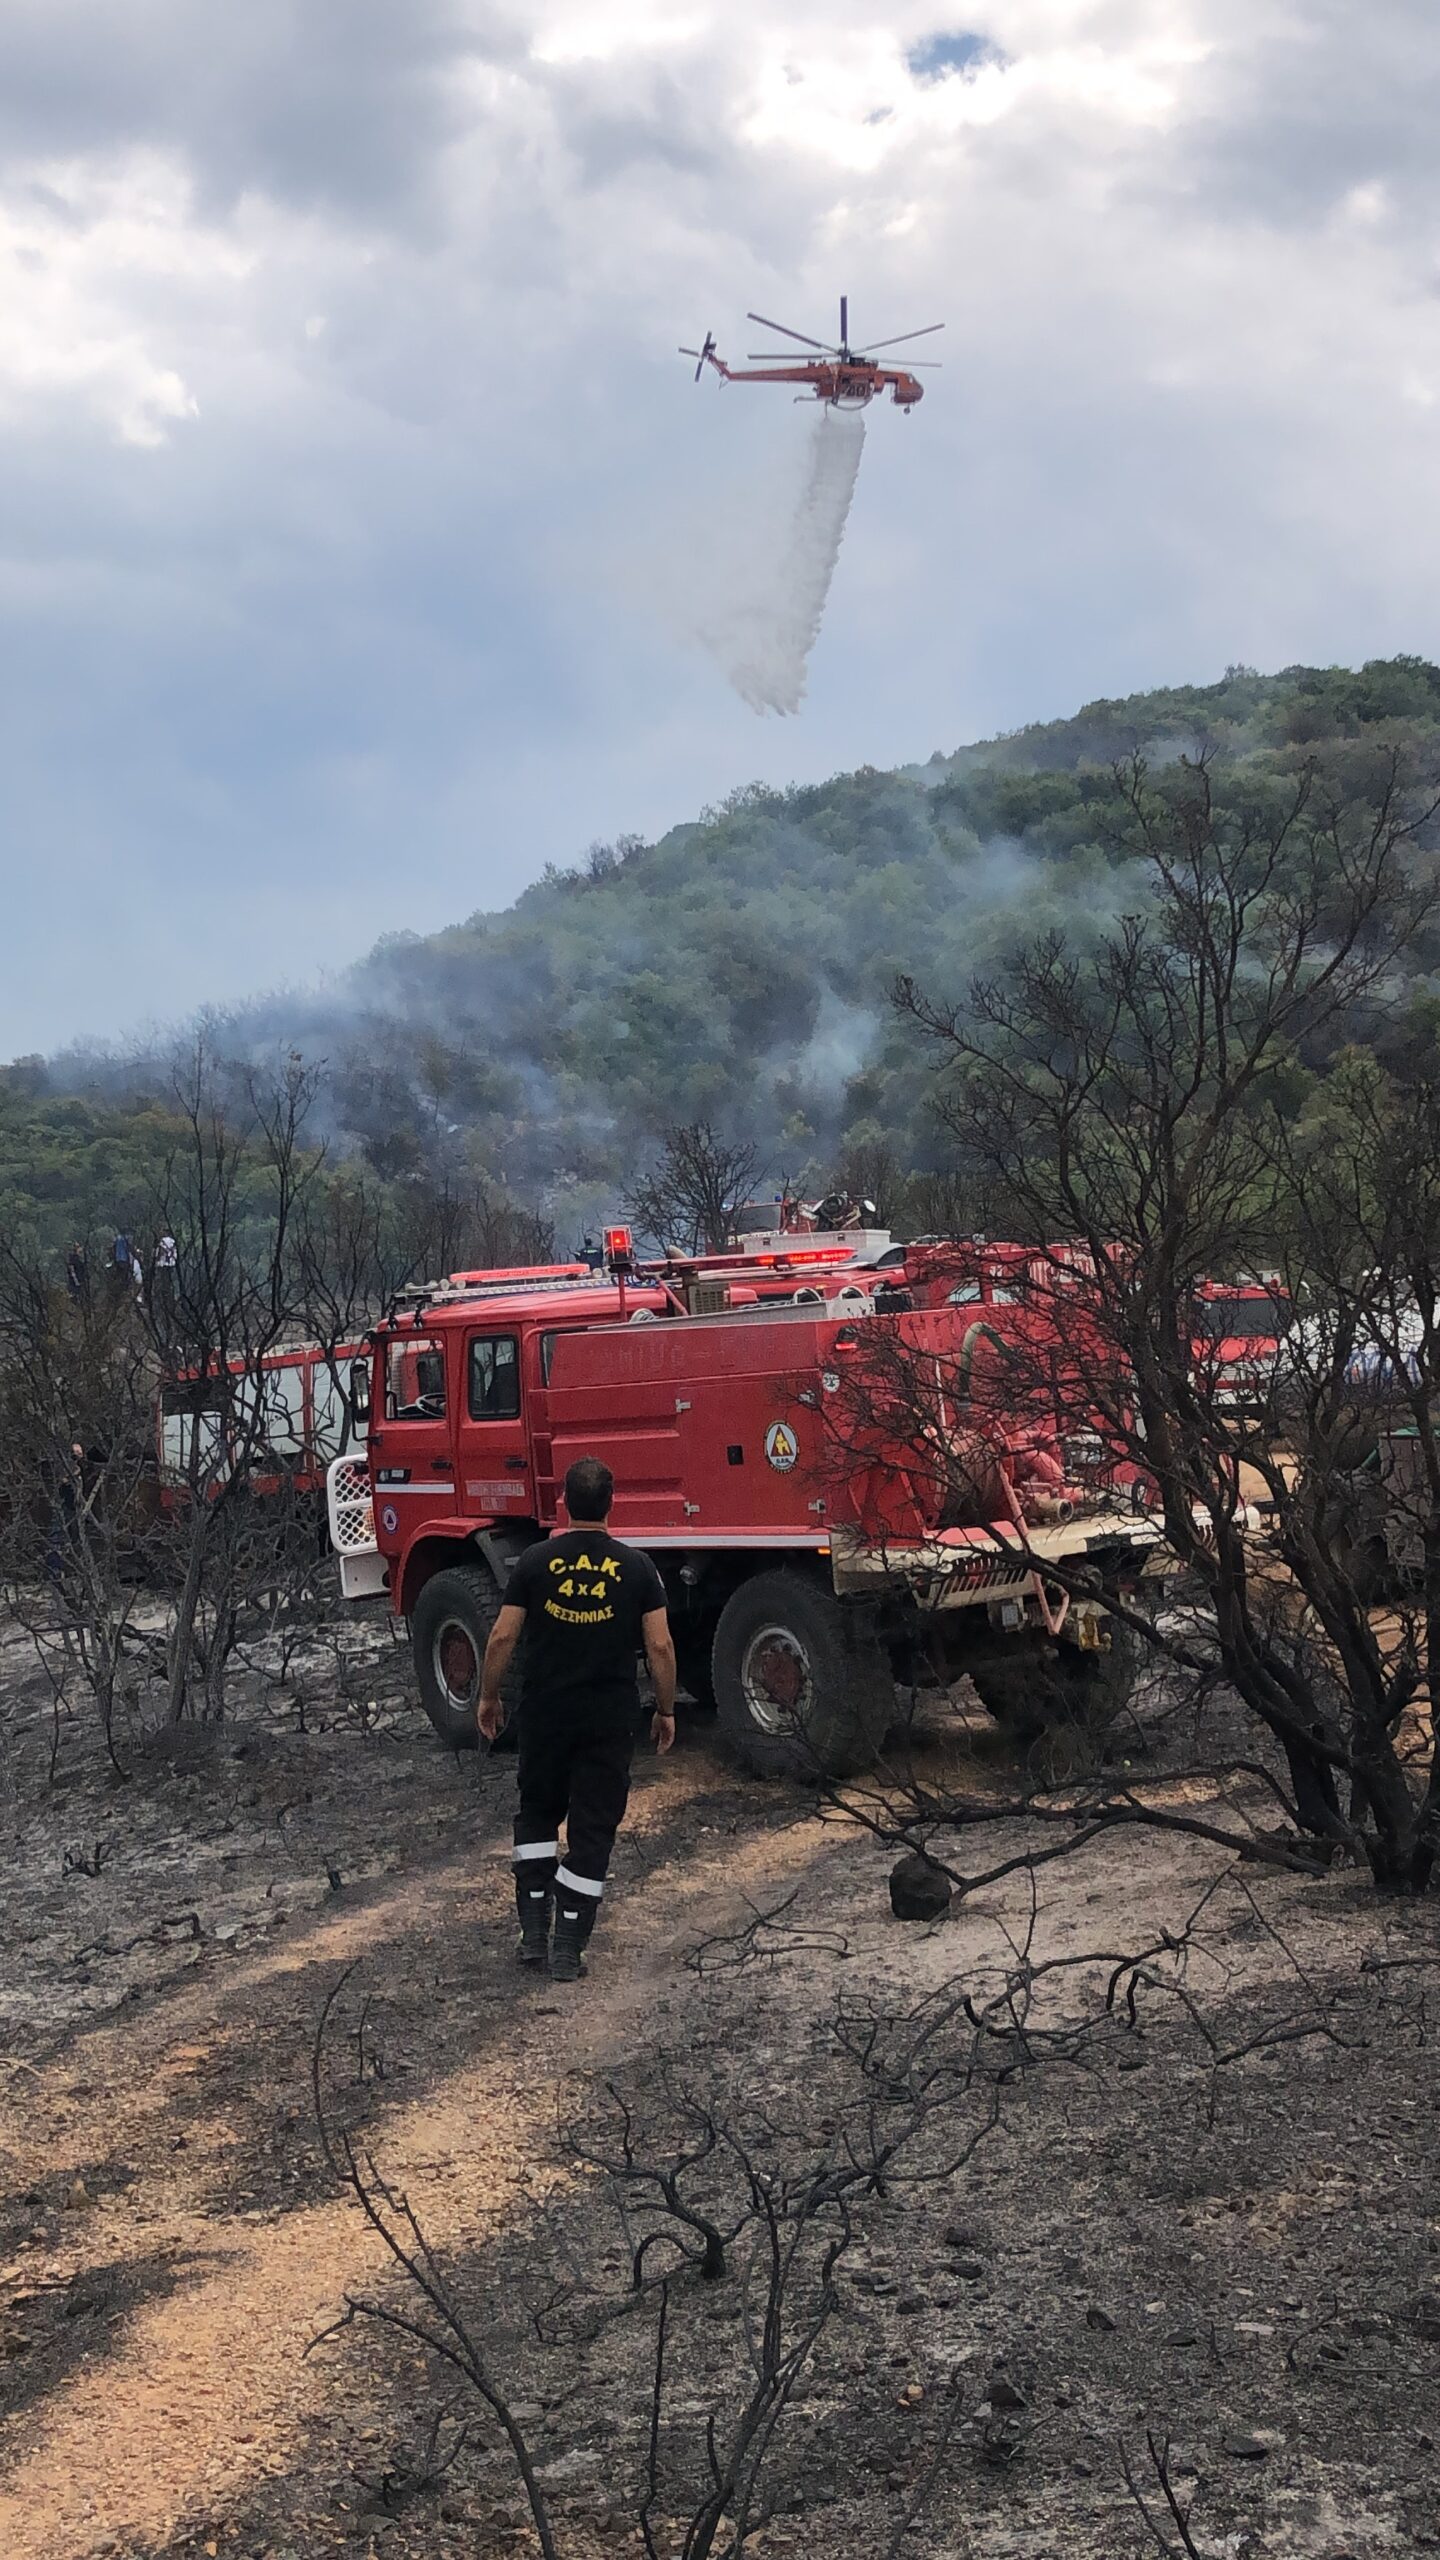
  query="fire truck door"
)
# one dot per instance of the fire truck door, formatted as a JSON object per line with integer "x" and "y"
{"x": 414, "y": 1464}
{"x": 494, "y": 1469}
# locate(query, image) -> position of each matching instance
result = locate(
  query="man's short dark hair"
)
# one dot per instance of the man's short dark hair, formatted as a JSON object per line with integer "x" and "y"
{"x": 589, "y": 1489}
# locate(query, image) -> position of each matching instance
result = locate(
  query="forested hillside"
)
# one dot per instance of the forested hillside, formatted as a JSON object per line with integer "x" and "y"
{"x": 738, "y": 971}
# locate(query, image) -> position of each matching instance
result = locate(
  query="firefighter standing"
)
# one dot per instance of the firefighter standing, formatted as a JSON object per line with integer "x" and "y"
{"x": 585, "y": 1605}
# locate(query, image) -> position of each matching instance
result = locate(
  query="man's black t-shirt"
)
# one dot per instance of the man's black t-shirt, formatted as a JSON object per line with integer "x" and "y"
{"x": 584, "y": 1595}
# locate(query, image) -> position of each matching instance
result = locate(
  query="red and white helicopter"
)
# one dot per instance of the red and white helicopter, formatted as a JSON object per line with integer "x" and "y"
{"x": 844, "y": 377}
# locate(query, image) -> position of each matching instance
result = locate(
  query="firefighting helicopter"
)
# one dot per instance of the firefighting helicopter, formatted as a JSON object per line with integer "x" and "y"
{"x": 844, "y": 377}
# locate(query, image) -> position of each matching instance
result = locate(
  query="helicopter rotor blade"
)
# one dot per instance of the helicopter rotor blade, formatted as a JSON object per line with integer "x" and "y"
{"x": 913, "y": 364}
{"x": 798, "y": 334}
{"x": 903, "y": 340}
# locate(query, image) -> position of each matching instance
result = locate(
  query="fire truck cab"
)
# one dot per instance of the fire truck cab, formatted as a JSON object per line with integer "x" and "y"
{"x": 1239, "y": 1327}
{"x": 808, "y": 1561}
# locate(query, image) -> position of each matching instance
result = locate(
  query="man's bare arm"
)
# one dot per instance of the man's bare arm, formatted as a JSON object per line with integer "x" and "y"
{"x": 504, "y": 1636}
{"x": 660, "y": 1654}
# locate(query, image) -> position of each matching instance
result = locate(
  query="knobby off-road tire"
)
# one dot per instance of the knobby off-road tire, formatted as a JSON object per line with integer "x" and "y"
{"x": 449, "y": 1630}
{"x": 802, "y": 1685}
{"x": 1036, "y": 1686}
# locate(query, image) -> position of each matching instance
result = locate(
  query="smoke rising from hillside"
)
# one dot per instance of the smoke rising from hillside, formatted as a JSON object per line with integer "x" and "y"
{"x": 762, "y": 611}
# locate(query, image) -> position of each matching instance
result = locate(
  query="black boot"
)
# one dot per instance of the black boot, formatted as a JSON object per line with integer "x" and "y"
{"x": 574, "y": 1920}
{"x": 534, "y": 1901}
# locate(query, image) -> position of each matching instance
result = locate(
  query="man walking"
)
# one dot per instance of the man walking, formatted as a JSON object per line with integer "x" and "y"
{"x": 585, "y": 1604}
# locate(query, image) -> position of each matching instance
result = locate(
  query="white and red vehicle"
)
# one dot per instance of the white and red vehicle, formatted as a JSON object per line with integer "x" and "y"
{"x": 808, "y": 1558}
{"x": 286, "y": 1416}
{"x": 282, "y": 1419}
{"x": 1239, "y": 1327}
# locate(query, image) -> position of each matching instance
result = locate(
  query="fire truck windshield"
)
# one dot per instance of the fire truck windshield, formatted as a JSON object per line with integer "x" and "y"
{"x": 1242, "y": 1319}
{"x": 415, "y": 1379}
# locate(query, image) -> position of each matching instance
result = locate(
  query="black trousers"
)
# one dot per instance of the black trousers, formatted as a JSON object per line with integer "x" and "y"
{"x": 574, "y": 1773}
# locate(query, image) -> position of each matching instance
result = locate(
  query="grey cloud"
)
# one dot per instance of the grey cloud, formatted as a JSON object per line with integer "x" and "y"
{"x": 1303, "y": 105}
{"x": 632, "y": 114}
{"x": 610, "y": 136}
{"x": 341, "y": 102}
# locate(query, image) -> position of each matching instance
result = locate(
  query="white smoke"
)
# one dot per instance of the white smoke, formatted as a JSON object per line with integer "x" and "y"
{"x": 761, "y": 618}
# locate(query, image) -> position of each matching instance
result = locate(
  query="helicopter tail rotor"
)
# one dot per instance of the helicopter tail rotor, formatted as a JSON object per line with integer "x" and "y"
{"x": 702, "y": 355}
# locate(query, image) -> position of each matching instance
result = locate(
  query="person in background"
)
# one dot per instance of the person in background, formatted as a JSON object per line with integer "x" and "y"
{"x": 163, "y": 1276}
{"x": 585, "y": 1605}
{"x": 75, "y": 1271}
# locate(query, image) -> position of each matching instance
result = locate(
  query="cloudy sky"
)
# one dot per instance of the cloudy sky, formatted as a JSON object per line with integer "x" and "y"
{"x": 352, "y": 492}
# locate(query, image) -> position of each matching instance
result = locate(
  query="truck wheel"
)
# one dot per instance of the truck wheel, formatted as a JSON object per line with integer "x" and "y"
{"x": 1034, "y": 1686}
{"x": 449, "y": 1630}
{"x": 801, "y": 1684}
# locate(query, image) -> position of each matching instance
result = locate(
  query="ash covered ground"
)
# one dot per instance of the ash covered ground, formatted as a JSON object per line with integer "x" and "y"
{"x": 1212, "y": 2222}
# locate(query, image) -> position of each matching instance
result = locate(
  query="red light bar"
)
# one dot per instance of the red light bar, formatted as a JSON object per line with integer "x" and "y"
{"x": 698, "y": 1265}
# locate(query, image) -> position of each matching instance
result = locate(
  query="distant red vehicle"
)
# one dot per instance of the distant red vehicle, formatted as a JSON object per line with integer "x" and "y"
{"x": 973, "y": 1271}
{"x": 1239, "y": 1327}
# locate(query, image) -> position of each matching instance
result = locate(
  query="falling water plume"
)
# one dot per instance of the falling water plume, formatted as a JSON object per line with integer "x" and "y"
{"x": 763, "y": 630}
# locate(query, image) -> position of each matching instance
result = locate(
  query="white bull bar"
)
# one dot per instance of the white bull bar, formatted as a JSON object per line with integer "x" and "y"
{"x": 363, "y": 1570}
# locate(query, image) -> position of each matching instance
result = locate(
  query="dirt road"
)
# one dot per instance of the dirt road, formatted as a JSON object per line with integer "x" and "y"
{"x": 1218, "y": 2255}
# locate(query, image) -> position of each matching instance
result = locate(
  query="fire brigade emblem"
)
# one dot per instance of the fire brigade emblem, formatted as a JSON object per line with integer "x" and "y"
{"x": 781, "y": 1447}
{"x": 389, "y": 1519}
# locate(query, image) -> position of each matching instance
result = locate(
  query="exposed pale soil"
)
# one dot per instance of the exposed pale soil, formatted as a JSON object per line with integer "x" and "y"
{"x": 1148, "y": 2240}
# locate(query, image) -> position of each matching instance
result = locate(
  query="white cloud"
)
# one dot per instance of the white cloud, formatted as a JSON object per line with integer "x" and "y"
{"x": 92, "y": 255}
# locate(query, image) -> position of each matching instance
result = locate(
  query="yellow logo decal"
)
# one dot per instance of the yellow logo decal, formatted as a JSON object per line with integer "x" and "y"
{"x": 781, "y": 1447}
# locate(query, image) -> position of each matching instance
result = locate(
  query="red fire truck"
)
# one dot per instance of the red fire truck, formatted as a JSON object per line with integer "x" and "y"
{"x": 1239, "y": 1327}
{"x": 813, "y": 1550}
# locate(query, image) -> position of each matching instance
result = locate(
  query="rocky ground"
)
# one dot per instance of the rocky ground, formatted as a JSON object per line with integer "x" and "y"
{"x": 1211, "y": 2221}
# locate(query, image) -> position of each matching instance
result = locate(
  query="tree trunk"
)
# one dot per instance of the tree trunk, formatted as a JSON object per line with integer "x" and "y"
{"x": 182, "y": 1633}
